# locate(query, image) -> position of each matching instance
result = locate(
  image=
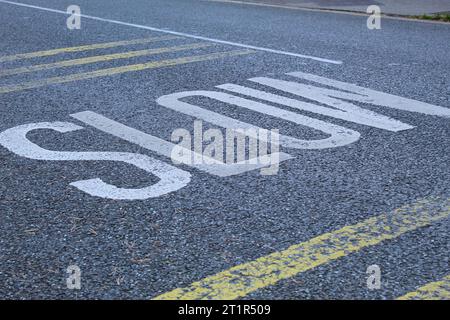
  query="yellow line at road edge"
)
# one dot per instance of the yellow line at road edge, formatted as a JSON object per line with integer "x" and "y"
{"x": 243, "y": 279}
{"x": 94, "y": 46}
{"x": 118, "y": 70}
{"x": 439, "y": 290}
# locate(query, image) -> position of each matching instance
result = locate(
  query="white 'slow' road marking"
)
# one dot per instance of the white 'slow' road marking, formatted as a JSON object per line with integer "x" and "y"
{"x": 171, "y": 179}
{"x": 187, "y": 35}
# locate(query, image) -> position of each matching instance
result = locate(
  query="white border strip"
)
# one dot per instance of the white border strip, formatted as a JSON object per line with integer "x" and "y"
{"x": 236, "y": 44}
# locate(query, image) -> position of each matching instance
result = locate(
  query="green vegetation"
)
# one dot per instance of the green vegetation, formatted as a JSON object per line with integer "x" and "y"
{"x": 437, "y": 17}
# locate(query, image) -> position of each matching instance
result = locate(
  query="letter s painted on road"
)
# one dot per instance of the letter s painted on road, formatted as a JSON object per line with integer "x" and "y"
{"x": 171, "y": 178}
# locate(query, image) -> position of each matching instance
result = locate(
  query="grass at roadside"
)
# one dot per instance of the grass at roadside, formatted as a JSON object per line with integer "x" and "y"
{"x": 436, "y": 17}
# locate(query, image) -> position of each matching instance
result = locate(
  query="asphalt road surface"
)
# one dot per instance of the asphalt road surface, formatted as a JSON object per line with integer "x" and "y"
{"x": 393, "y": 7}
{"x": 358, "y": 209}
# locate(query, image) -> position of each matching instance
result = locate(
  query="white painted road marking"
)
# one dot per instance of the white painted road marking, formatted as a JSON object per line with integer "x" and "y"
{"x": 347, "y": 111}
{"x": 165, "y": 148}
{"x": 187, "y": 35}
{"x": 171, "y": 178}
{"x": 339, "y": 136}
{"x": 366, "y": 95}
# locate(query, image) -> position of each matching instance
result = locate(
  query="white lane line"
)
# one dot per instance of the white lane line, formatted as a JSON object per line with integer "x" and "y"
{"x": 187, "y": 35}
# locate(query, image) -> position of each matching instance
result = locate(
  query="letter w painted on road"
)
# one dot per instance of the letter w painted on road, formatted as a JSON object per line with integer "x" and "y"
{"x": 336, "y": 99}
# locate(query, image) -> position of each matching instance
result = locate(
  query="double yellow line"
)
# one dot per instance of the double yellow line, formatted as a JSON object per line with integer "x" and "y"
{"x": 105, "y": 45}
{"x": 104, "y": 58}
{"x": 246, "y": 278}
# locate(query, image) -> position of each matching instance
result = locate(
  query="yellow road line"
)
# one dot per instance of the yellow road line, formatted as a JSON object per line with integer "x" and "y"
{"x": 243, "y": 279}
{"x": 117, "y": 70}
{"x": 94, "y": 46}
{"x": 101, "y": 58}
{"x": 439, "y": 290}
